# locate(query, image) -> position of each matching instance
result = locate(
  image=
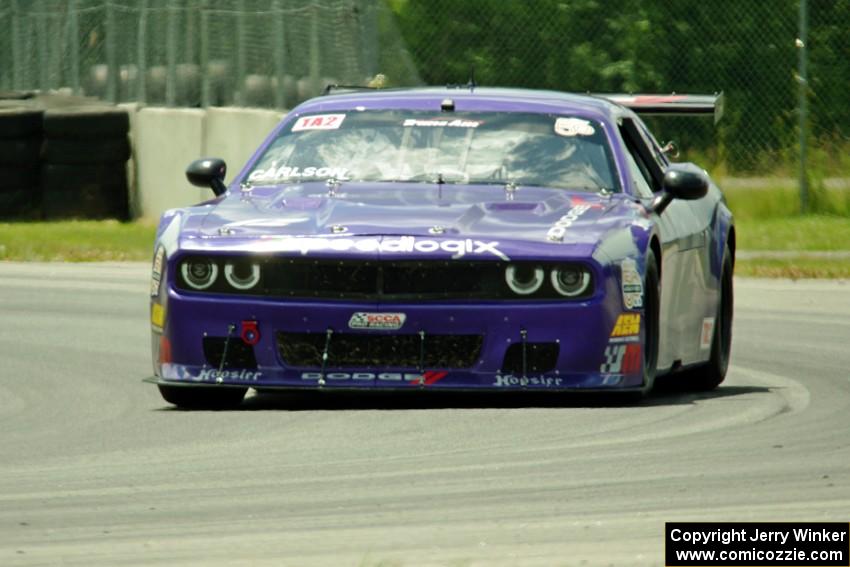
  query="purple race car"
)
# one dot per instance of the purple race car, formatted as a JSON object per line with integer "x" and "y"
{"x": 448, "y": 239}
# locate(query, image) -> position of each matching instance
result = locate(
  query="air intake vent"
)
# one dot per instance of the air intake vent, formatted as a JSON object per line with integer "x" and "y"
{"x": 239, "y": 355}
{"x": 379, "y": 351}
{"x": 540, "y": 358}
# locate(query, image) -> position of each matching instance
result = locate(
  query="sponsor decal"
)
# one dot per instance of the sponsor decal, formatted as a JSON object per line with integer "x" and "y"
{"x": 576, "y": 201}
{"x": 318, "y": 122}
{"x": 571, "y": 127}
{"x": 429, "y": 377}
{"x": 156, "y": 271}
{"x": 559, "y": 229}
{"x": 157, "y": 316}
{"x": 632, "y": 285}
{"x": 621, "y": 359}
{"x": 241, "y": 375}
{"x": 509, "y": 380}
{"x": 457, "y": 123}
{"x": 707, "y": 333}
{"x": 457, "y": 248}
{"x": 383, "y": 321}
{"x": 627, "y": 328}
{"x": 286, "y": 172}
{"x": 180, "y": 372}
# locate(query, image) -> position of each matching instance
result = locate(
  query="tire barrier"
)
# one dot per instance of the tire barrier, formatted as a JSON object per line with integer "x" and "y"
{"x": 84, "y": 191}
{"x": 83, "y": 171}
{"x": 62, "y": 157}
{"x": 20, "y": 149}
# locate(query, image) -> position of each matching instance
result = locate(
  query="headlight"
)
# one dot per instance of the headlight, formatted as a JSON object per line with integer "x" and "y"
{"x": 242, "y": 276}
{"x": 199, "y": 273}
{"x": 524, "y": 279}
{"x": 570, "y": 281}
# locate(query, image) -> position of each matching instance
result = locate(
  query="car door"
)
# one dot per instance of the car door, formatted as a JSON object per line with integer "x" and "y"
{"x": 684, "y": 251}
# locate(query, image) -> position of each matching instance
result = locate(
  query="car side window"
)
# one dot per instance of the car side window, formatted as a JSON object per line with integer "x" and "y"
{"x": 654, "y": 147}
{"x": 644, "y": 170}
{"x": 640, "y": 177}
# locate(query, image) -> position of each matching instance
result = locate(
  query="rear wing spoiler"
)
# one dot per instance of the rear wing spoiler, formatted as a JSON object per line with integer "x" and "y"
{"x": 671, "y": 104}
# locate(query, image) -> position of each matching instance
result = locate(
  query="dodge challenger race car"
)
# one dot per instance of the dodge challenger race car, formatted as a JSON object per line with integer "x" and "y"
{"x": 448, "y": 239}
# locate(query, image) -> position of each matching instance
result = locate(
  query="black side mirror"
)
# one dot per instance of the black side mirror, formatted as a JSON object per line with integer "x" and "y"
{"x": 208, "y": 172}
{"x": 683, "y": 181}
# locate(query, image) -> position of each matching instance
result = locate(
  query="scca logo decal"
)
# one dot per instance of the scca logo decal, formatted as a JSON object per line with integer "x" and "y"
{"x": 384, "y": 321}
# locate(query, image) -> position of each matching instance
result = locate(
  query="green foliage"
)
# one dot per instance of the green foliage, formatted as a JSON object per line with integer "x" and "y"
{"x": 744, "y": 48}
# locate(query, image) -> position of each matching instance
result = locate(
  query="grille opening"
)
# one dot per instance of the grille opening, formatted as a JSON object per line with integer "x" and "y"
{"x": 384, "y": 280}
{"x": 379, "y": 351}
{"x": 439, "y": 280}
{"x": 540, "y": 358}
{"x": 298, "y": 278}
{"x": 239, "y": 355}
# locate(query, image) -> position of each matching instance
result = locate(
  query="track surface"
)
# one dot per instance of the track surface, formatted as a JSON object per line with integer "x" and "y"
{"x": 95, "y": 469}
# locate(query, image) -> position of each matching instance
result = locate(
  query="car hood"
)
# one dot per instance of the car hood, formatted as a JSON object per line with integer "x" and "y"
{"x": 273, "y": 218}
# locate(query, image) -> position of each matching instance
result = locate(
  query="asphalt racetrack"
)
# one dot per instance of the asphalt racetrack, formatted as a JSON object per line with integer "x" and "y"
{"x": 95, "y": 469}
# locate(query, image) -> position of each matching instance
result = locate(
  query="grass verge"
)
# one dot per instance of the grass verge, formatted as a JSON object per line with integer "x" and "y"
{"x": 780, "y": 201}
{"x": 76, "y": 241}
{"x": 797, "y": 233}
{"x": 793, "y": 268}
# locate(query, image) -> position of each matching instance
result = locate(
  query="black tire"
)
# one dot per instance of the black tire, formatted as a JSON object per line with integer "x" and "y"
{"x": 20, "y": 152}
{"x": 86, "y": 122}
{"x": 202, "y": 398}
{"x": 651, "y": 318}
{"x": 20, "y": 122}
{"x": 19, "y": 204}
{"x": 85, "y": 202}
{"x": 651, "y": 310}
{"x": 187, "y": 90}
{"x": 710, "y": 375}
{"x": 257, "y": 91}
{"x": 110, "y": 174}
{"x": 94, "y": 151}
{"x": 18, "y": 177}
{"x": 16, "y": 95}
{"x": 84, "y": 191}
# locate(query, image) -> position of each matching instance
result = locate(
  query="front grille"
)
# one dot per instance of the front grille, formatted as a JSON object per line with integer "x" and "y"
{"x": 385, "y": 280}
{"x": 239, "y": 355}
{"x": 379, "y": 351}
{"x": 539, "y": 358}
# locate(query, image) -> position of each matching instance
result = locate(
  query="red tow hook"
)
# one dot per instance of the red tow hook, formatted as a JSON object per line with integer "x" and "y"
{"x": 250, "y": 333}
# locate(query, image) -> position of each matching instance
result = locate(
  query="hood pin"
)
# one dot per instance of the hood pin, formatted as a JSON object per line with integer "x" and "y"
{"x": 332, "y": 184}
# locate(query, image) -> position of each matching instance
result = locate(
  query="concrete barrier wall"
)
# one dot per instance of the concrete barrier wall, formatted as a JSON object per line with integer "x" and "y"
{"x": 165, "y": 140}
{"x": 234, "y": 133}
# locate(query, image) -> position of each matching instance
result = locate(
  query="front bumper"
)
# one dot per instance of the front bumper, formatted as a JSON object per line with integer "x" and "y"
{"x": 581, "y": 332}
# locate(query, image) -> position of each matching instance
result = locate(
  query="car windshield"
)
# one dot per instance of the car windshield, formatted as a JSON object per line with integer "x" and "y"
{"x": 542, "y": 150}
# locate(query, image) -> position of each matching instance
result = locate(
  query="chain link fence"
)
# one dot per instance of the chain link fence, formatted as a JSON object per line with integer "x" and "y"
{"x": 745, "y": 48}
{"x": 265, "y": 53}
{"x": 275, "y": 53}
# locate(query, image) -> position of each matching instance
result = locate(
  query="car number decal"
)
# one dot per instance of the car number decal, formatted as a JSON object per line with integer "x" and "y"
{"x": 318, "y": 122}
